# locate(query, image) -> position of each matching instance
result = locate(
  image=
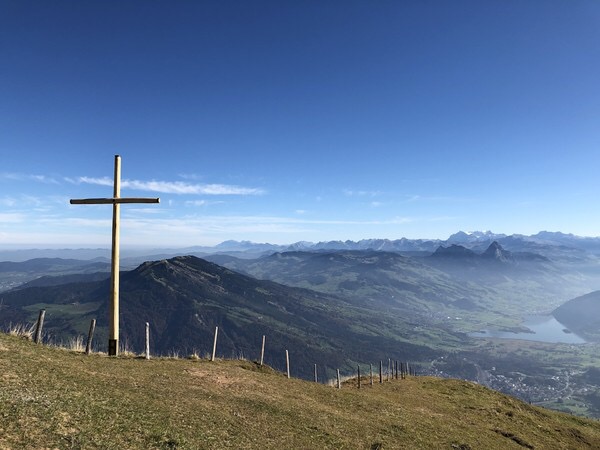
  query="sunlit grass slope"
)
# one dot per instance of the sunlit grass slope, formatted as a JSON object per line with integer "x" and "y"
{"x": 53, "y": 398}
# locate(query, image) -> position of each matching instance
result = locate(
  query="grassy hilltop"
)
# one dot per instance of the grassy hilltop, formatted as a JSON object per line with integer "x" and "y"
{"x": 53, "y": 398}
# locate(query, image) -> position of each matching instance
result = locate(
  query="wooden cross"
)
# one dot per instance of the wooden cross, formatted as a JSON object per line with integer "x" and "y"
{"x": 116, "y": 200}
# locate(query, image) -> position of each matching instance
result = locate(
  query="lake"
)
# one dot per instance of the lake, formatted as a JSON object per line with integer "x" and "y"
{"x": 544, "y": 328}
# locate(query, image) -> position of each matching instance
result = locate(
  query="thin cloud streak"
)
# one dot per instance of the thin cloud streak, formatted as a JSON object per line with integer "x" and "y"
{"x": 272, "y": 220}
{"x": 202, "y": 203}
{"x": 8, "y": 202}
{"x": 359, "y": 193}
{"x": 440, "y": 198}
{"x": 173, "y": 187}
{"x": 27, "y": 177}
{"x": 29, "y": 202}
{"x": 12, "y": 218}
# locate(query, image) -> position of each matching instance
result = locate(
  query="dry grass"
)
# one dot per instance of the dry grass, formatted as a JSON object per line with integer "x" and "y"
{"x": 76, "y": 344}
{"x": 125, "y": 350}
{"x": 56, "y": 399}
{"x": 194, "y": 356}
{"x": 22, "y": 330}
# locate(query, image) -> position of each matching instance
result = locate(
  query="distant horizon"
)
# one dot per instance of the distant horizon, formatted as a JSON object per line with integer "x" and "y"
{"x": 16, "y": 247}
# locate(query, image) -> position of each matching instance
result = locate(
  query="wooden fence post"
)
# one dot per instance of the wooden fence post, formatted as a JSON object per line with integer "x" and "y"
{"x": 147, "y": 340}
{"x": 88, "y": 346}
{"x": 388, "y": 371}
{"x": 39, "y": 326}
{"x": 316, "y": 380}
{"x": 215, "y": 344}
{"x": 380, "y": 372}
{"x": 371, "y": 373}
{"x": 287, "y": 363}
{"x": 262, "y": 351}
{"x": 358, "y": 376}
{"x": 396, "y": 369}
{"x": 339, "y": 384}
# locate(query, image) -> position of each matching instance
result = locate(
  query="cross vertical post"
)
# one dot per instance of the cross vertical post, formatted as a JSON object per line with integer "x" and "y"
{"x": 113, "y": 320}
{"x": 116, "y": 200}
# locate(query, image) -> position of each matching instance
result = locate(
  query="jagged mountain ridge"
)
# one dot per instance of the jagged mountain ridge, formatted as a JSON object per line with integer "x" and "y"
{"x": 494, "y": 265}
{"x": 494, "y": 252}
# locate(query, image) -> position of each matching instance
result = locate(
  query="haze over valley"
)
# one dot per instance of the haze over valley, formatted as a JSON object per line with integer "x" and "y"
{"x": 467, "y": 307}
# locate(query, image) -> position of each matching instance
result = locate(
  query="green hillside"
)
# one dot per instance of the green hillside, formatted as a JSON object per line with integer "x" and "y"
{"x": 185, "y": 298}
{"x": 581, "y": 314}
{"x": 52, "y": 398}
{"x": 490, "y": 290}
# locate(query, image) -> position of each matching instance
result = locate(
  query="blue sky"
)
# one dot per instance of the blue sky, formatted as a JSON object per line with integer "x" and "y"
{"x": 287, "y": 121}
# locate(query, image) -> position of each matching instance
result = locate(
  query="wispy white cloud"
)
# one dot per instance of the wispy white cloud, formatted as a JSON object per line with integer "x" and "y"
{"x": 13, "y": 176}
{"x": 293, "y": 220}
{"x": 77, "y": 222}
{"x": 8, "y": 202}
{"x": 361, "y": 193}
{"x": 44, "y": 179}
{"x": 442, "y": 219}
{"x": 24, "y": 201}
{"x": 201, "y": 229}
{"x": 12, "y": 217}
{"x": 198, "y": 203}
{"x": 173, "y": 187}
{"x": 104, "y": 181}
{"x": 159, "y": 230}
{"x": 236, "y": 224}
{"x": 150, "y": 211}
{"x": 435, "y": 198}
{"x": 32, "y": 200}
{"x": 190, "y": 176}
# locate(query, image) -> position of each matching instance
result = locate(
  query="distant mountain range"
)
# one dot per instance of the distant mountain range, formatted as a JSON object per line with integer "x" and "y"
{"x": 476, "y": 239}
{"x": 455, "y": 288}
{"x": 549, "y": 244}
{"x": 451, "y": 281}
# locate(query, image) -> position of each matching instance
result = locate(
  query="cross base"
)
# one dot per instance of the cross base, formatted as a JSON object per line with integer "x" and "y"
{"x": 113, "y": 345}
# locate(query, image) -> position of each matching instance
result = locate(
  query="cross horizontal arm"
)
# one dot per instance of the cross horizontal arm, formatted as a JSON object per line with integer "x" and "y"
{"x": 112, "y": 201}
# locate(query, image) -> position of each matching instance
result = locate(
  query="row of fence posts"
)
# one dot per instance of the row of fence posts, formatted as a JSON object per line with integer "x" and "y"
{"x": 396, "y": 369}
{"x": 37, "y": 336}
{"x": 401, "y": 369}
